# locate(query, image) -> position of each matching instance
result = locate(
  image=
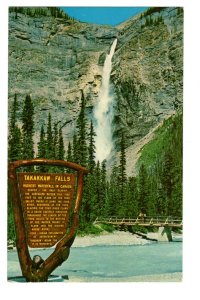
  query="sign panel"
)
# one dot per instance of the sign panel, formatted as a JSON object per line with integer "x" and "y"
{"x": 46, "y": 200}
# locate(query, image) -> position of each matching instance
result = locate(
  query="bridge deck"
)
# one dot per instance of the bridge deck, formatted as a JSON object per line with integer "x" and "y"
{"x": 146, "y": 222}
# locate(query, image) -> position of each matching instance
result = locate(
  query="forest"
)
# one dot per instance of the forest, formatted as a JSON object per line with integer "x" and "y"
{"x": 40, "y": 11}
{"x": 155, "y": 191}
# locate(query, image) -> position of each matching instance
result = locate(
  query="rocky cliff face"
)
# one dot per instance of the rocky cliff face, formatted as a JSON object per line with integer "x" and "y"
{"x": 147, "y": 72}
{"x": 55, "y": 60}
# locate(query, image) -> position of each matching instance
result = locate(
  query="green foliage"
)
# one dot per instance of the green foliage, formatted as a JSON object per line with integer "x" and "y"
{"x": 107, "y": 227}
{"x": 152, "y": 10}
{"x": 143, "y": 190}
{"x": 41, "y": 11}
{"x": 162, "y": 158}
{"x": 81, "y": 134}
{"x": 150, "y": 21}
{"x": 49, "y": 144}
{"x": 89, "y": 229}
{"x": 122, "y": 178}
{"x": 91, "y": 148}
{"x": 15, "y": 137}
{"x": 55, "y": 141}
{"x": 69, "y": 153}
{"x": 137, "y": 228}
{"x": 42, "y": 149}
{"x": 27, "y": 129}
{"x": 10, "y": 219}
{"x": 180, "y": 10}
{"x": 75, "y": 149}
{"x": 130, "y": 93}
{"x": 61, "y": 148}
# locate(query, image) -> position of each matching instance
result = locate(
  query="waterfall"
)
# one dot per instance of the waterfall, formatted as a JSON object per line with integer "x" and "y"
{"x": 103, "y": 111}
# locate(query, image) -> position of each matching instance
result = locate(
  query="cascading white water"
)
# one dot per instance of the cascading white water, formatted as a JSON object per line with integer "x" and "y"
{"x": 103, "y": 112}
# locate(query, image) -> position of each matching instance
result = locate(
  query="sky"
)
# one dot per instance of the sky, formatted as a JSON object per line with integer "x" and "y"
{"x": 103, "y": 15}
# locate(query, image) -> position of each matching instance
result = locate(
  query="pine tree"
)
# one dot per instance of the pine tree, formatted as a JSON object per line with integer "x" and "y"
{"x": 28, "y": 129}
{"x": 97, "y": 174}
{"x": 103, "y": 189}
{"x": 143, "y": 190}
{"x": 14, "y": 153}
{"x": 91, "y": 148}
{"x": 61, "y": 148}
{"x": 42, "y": 144}
{"x": 152, "y": 190}
{"x": 55, "y": 141}
{"x": 113, "y": 192}
{"x": 122, "y": 175}
{"x": 81, "y": 126}
{"x": 13, "y": 119}
{"x": 14, "y": 138}
{"x": 69, "y": 152}
{"x": 132, "y": 209}
{"x": 42, "y": 148}
{"x": 50, "y": 145}
{"x": 75, "y": 149}
{"x": 69, "y": 156}
{"x": 168, "y": 180}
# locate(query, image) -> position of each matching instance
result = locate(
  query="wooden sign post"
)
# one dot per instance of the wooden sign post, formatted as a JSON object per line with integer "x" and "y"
{"x": 42, "y": 203}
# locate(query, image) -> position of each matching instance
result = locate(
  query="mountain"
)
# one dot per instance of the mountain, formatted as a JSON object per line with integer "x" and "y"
{"x": 57, "y": 60}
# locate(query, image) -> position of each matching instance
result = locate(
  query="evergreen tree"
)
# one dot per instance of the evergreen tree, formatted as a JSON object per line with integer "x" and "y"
{"x": 122, "y": 175}
{"x": 14, "y": 153}
{"x": 152, "y": 192}
{"x": 98, "y": 190}
{"x": 103, "y": 189}
{"x": 55, "y": 141}
{"x": 113, "y": 192}
{"x": 42, "y": 144}
{"x": 15, "y": 144}
{"x": 50, "y": 141}
{"x": 42, "y": 148}
{"x": 75, "y": 149}
{"x": 14, "y": 109}
{"x": 161, "y": 209}
{"x": 69, "y": 153}
{"x": 132, "y": 209}
{"x": 90, "y": 207}
{"x": 28, "y": 129}
{"x": 81, "y": 126}
{"x": 61, "y": 148}
{"x": 14, "y": 138}
{"x": 143, "y": 190}
{"x": 69, "y": 156}
{"x": 168, "y": 181}
{"x": 91, "y": 148}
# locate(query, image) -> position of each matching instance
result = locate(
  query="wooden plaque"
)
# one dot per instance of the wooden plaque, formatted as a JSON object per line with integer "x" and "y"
{"x": 46, "y": 200}
{"x": 42, "y": 204}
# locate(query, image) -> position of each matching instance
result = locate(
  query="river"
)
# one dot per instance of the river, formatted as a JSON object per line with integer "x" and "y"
{"x": 112, "y": 263}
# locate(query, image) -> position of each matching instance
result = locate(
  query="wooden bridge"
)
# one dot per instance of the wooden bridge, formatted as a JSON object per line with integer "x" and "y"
{"x": 158, "y": 221}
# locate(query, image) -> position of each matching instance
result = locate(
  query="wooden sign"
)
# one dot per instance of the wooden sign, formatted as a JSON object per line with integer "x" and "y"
{"x": 46, "y": 201}
{"x": 42, "y": 204}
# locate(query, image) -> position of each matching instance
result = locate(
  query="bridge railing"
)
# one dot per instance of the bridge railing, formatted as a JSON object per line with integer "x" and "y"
{"x": 149, "y": 220}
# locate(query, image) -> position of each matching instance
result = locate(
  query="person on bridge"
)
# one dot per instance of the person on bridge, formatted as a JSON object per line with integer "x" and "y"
{"x": 142, "y": 216}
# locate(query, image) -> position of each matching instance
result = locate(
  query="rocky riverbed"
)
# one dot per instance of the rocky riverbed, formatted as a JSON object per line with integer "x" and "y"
{"x": 116, "y": 238}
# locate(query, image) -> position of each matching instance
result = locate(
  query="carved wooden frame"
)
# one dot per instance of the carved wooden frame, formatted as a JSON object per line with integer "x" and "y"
{"x": 62, "y": 249}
